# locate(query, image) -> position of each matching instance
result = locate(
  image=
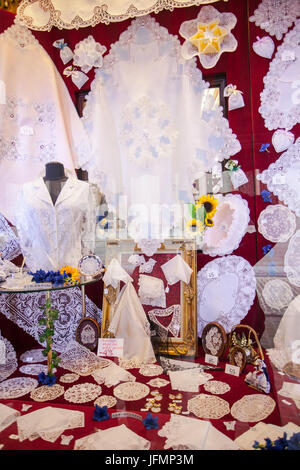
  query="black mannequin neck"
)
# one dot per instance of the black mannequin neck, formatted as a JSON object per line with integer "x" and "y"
{"x": 54, "y": 171}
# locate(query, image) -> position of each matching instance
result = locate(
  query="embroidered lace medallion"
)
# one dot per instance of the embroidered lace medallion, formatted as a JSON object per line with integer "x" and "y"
{"x": 47, "y": 393}
{"x": 82, "y": 393}
{"x": 131, "y": 391}
{"x": 253, "y": 408}
{"x": 208, "y": 406}
{"x": 17, "y": 387}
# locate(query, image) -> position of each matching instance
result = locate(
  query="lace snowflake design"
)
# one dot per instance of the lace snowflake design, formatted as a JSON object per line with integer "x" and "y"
{"x": 276, "y": 16}
{"x": 252, "y": 408}
{"x": 208, "y": 406}
{"x": 280, "y": 100}
{"x": 82, "y": 393}
{"x": 277, "y": 223}
{"x": 17, "y": 387}
{"x": 131, "y": 391}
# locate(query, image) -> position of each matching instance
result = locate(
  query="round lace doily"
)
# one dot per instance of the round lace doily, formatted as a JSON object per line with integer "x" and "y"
{"x": 252, "y": 408}
{"x": 277, "y": 223}
{"x": 277, "y": 294}
{"x": 106, "y": 400}
{"x": 34, "y": 355}
{"x": 150, "y": 370}
{"x": 82, "y": 393}
{"x": 130, "y": 391}
{"x": 11, "y": 362}
{"x": 216, "y": 387}
{"x": 208, "y": 406}
{"x": 17, "y": 387}
{"x": 69, "y": 378}
{"x": 34, "y": 369}
{"x": 158, "y": 382}
{"x": 47, "y": 393}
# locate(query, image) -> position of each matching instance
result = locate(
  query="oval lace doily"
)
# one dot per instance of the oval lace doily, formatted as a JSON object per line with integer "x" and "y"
{"x": 252, "y": 408}
{"x": 226, "y": 288}
{"x": 82, "y": 393}
{"x": 34, "y": 355}
{"x": 47, "y": 392}
{"x": 69, "y": 378}
{"x": 150, "y": 370}
{"x": 130, "y": 391}
{"x": 34, "y": 369}
{"x": 277, "y": 223}
{"x": 216, "y": 387}
{"x": 292, "y": 260}
{"x": 11, "y": 362}
{"x": 17, "y": 387}
{"x": 158, "y": 382}
{"x": 277, "y": 294}
{"x": 208, "y": 406}
{"x": 106, "y": 400}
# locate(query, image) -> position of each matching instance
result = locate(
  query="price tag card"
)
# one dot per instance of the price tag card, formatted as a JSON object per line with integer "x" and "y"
{"x": 211, "y": 359}
{"x": 279, "y": 179}
{"x": 288, "y": 55}
{"x": 26, "y": 130}
{"x": 110, "y": 347}
{"x": 212, "y": 273}
{"x": 232, "y": 370}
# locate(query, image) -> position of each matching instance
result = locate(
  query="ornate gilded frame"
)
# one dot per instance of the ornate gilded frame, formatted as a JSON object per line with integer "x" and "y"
{"x": 187, "y": 343}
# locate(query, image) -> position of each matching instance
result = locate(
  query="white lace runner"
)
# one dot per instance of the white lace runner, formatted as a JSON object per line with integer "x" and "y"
{"x": 114, "y": 438}
{"x": 112, "y": 375}
{"x": 188, "y": 380}
{"x": 11, "y": 249}
{"x": 82, "y": 393}
{"x": 173, "y": 328}
{"x": 69, "y": 378}
{"x": 80, "y": 360}
{"x": 9, "y": 363}
{"x": 7, "y": 416}
{"x": 17, "y": 387}
{"x": 216, "y": 387}
{"x": 208, "y": 406}
{"x": 158, "y": 382}
{"x": 253, "y": 408}
{"x": 47, "y": 392}
{"x": 131, "y": 391}
{"x": 276, "y": 16}
{"x": 292, "y": 260}
{"x": 150, "y": 370}
{"x": 280, "y": 96}
{"x": 277, "y": 223}
{"x": 226, "y": 288}
{"x": 48, "y": 423}
{"x": 277, "y": 294}
{"x": 34, "y": 369}
{"x": 106, "y": 400}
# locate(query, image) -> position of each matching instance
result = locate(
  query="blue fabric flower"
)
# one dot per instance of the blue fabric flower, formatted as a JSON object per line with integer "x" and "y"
{"x": 282, "y": 443}
{"x": 46, "y": 379}
{"x": 264, "y": 148}
{"x": 101, "y": 413}
{"x": 50, "y": 276}
{"x": 294, "y": 442}
{"x": 266, "y": 195}
{"x": 266, "y": 249}
{"x": 149, "y": 422}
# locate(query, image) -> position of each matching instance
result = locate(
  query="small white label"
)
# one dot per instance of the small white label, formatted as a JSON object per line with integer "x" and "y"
{"x": 2, "y": 92}
{"x": 287, "y": 55}
{"x": 110, "y": 347}
{"x": 232, "y": 370}
{"x": 211, "y": 359}
{"x": 212, "y": 273}
{"x": 26, "y": 130}
{"x": 279, "y": 179}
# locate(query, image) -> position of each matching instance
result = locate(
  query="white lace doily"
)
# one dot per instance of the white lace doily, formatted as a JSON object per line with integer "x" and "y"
{"x": 82, "y": 393}
{"x": 88, "y": 54}
{"x": 292, "y": 260}
{"x": 277, "y": 223}
{"x": 276, "y": 16}
{"x": 11, "y": 248}
{"x": 174, "y": 325}
{"x": 131, "y": 391}
{"x": 69, "y": 378}
{"x": 208, "y": 406}
{"x": 150, "y": 370}
{"x": 277, "y": 294}
{"x": 47, "y": 392}
{"x": 17, "y": 387}
{"x": 216, "y": 387}
{"x": 280, "y": 97}
{"x": 282, "y": 176}
{"x": 226, "y": 288}
{"x": 106, "y": 400}
{"x": 10, "y": 364}
{"x": 158, "y": 382}
{"x": 253, "y": 408}
{"x": 34, "y": 369}
{"x": 211, "y": 42}
{"x": 33, "y": 355}
{"x": 230, "y": 225}
{"x": 80, "y": 360}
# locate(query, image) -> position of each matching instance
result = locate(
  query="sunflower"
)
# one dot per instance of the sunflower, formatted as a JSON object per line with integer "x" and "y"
{"x": 71, "y": 275}
{"x": 210, "y": 204}
{"x": 208, "y": 222}
{"x": 194, "y": 226}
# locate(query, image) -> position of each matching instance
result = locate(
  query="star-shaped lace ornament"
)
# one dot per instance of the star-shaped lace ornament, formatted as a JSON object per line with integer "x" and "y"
{"x": 209, "y": 37}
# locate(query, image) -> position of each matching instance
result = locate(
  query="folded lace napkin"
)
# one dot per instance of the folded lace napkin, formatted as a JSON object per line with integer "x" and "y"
{"x": 188, "y": 380}
{"x": 114, "y": 438}
{"x": 7, "y": 416}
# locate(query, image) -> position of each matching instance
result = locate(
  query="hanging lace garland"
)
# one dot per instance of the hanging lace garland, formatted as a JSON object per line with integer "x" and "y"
{"x": 280, "y": 97}
{"x": 276, "y": 16}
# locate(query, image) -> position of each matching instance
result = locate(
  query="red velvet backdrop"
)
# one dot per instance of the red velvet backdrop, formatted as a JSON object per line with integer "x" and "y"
{"x": 243, "y": 68}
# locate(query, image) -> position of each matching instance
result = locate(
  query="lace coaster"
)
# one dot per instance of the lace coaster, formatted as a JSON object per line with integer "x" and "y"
{"x": 34, "y": 355}
{"x": 149, "y": 370}
{"x": 33, "y": 369}
{"x": 82, "y": 393}
{"x": 130, "y": 391}
{"x": 253, "y": 408}
{"x": 17, "y": 387}
{"x": 158, "y": 382}
{"x": 216, "y": 387}
{"x": 208, "y": 407}
{"x": 47, "y": 393}
{"x": 69, "y": 378}
{"x": 80, "y": 360}
{"x": 106, "y": 400}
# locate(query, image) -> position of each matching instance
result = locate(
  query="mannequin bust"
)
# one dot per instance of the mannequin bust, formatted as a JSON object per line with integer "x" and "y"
{"x": 55, "y": 179}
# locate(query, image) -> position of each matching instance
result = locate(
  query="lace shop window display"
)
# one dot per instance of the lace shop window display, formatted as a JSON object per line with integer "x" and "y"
{"x": 169, "y": 304}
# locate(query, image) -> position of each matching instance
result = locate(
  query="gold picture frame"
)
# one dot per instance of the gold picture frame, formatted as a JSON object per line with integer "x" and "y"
{"x": 187, "y": 343}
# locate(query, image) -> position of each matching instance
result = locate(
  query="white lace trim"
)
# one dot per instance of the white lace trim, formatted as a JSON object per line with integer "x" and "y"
{"x": 277, "y": 223}
{"x": 20, "y": 35}
{"x": 174, "y": 325}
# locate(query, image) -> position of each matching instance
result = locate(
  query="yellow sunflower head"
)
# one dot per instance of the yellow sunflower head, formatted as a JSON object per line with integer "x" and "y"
{"x": 208, "y": 222}
{"x": 72, "y": 274}
{"x": 210, "y": 204}
{"x": 194, "y": 226}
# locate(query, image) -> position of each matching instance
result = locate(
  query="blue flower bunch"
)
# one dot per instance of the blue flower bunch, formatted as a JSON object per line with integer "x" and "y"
{"x": 264, "y": 148}
{"x": 282, "y": 443}
{"x": 46, "y": 379}
{"x": 56, "y": 278}
{"x": 101, "y": 413}
{"x": 266, "y": 249}
{"x": 149, "y": 422}
{"x": 266, "y": 195}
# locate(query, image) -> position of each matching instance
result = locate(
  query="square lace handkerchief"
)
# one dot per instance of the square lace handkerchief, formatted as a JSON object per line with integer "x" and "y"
{"x": 152, "y": 291}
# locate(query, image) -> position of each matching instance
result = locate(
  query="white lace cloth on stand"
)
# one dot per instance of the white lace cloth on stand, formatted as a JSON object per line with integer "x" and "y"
{"x": 276, "y": 16}
{"x": 280, "y": 97}
{"x": 7, "y": 416}
{"x": 182, "y": 432}
{"x": 36, "y": 128}
{"x": 114, "y": 438}
{"x": 226, "y": 291}
{"x": 147, "y": 127}
{"x": 48, "y": 423}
